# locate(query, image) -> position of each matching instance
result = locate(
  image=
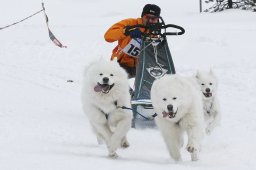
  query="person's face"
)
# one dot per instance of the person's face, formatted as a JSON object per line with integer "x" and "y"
{"x": 149, "y": 19}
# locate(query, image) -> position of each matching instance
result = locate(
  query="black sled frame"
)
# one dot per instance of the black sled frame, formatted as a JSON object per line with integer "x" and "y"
{"x": 155, "y": 61}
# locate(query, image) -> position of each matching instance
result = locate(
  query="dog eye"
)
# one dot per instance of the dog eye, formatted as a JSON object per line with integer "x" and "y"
{"x": 101, "y": 74}
{"x": 202, "y": 84}
{"x": 164, "y": 99}
{"x": 210, "y": 83}
{"x": 174, "y": 98}
{"x": 111, "y": 74}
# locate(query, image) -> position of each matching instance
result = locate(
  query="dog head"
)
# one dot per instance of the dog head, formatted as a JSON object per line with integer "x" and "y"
{"x": 170, "y": 96}
{"x": 208, "y": 83}
{"x": 106, "y": 76}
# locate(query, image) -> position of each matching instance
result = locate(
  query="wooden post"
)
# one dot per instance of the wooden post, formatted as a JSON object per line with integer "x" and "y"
{"x": 200, "y": 5}
{"x": 230, "y": 4}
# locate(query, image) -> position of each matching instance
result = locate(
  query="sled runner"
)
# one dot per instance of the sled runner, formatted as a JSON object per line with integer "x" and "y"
{"x": 155, "y": 61}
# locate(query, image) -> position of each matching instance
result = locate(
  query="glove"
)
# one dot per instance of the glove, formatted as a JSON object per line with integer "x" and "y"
{"x": 133, "y": 32}
{"x": 155, "y": 28}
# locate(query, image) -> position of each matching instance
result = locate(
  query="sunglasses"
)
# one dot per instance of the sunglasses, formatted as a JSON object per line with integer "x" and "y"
{"x": 151, "y": 17}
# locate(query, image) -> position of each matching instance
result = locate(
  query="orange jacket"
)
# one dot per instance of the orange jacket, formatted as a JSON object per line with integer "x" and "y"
{"x": 116, "y": 33}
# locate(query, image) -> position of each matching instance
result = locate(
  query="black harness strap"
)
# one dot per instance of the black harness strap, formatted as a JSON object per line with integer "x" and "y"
{"x": 115, "y": 103}
{"x": 106, "y": 115}
{"x": 154, "y": 115}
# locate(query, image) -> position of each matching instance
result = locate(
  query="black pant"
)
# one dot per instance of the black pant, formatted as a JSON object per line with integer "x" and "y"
{"x": 130, "y": 70}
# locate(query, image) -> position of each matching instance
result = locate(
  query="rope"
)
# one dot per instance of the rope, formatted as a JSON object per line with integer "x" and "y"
{"x": 127, "y": 108}
{"x": 51, "y": 35}
{"x": 1, "y": 28}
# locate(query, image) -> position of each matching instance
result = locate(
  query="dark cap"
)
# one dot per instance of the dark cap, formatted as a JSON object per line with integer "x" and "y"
{"x": 151, "y": 9}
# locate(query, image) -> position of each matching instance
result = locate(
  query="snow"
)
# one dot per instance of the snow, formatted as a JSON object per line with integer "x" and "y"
{"x": 42, "y": 125}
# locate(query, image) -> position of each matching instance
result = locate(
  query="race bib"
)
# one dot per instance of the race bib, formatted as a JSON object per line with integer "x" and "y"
{"x": 133, "y": 47}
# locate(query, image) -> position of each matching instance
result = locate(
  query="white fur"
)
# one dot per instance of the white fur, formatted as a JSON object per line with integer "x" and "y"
{"x": 185, "y": 97}
{"x": 114, "y": 129}
{"x": 212, "y": 115}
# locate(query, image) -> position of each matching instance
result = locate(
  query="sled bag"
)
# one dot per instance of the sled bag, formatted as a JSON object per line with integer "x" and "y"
{"x": 155, "y": 61}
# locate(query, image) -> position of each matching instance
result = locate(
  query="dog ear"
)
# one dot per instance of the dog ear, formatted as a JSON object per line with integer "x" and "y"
{"x": 197, "y": 74}
{"x": 211, "y": 72}
{"x": 88, "y": 67}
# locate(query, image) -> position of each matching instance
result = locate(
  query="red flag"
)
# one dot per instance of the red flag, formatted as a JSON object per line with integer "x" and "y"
{"x": 52, "y": 37}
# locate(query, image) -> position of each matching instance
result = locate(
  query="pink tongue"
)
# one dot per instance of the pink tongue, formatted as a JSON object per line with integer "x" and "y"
{"x": 97, "y": 88}
{"x": 165, "y": 114}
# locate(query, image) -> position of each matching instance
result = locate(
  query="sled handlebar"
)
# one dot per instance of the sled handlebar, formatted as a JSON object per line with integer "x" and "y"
{"x": 155, "y": 29}
{"x": 182, "y": 30}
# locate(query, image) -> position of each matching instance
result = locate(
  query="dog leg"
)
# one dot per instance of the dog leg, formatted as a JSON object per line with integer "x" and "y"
{"x": 173, "y": 138}
{"x": 100, "y": 139}
{"x": 195, "y": 135}
{"x": 215, "y": 122}
{"x": 103, "y": 131}
{"x": 120, "y": 132}
{"x": 173, "y": 141}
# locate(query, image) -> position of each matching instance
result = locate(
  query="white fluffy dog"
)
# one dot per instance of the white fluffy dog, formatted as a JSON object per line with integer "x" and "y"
{"x": 105, "y": 90}
{"x": 178, "y": 104}
{"x": 208, "y": 83}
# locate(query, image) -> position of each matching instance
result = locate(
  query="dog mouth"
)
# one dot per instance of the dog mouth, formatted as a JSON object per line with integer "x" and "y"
{"x": 104, "y": 88}
{"x": 170, "y": 115}
{"x": 207, "y": 95}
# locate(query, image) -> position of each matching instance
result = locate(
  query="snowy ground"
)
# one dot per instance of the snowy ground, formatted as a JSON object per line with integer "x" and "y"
{"x": 41, "y": 121}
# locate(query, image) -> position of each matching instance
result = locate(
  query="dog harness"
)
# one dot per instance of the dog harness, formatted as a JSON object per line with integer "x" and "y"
{"x": 124, "y": 108}
{"x": 107, "y": 114}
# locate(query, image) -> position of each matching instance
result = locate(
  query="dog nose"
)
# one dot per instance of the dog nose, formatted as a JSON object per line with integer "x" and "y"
{"x": 105, "y": 79}
{"x": 170, "y": 107}
{"x": 207, "y": 90}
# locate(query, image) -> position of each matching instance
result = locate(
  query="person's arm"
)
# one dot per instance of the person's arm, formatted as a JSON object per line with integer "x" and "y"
{"x": 116, "y": 31}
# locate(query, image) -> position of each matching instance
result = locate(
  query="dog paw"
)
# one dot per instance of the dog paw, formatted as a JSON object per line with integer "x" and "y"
{"x": 125, "y": 144}
{"x": 191, "y": 149}
{"x": 113, "y": 155}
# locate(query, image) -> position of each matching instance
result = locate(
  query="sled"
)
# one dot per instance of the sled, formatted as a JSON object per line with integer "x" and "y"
{"x": 154, "y": 62}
